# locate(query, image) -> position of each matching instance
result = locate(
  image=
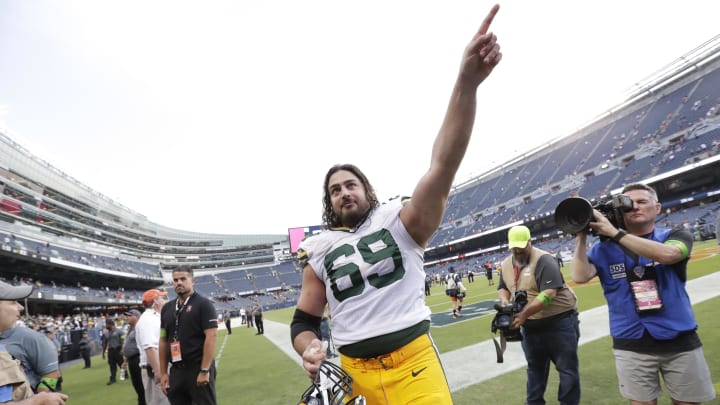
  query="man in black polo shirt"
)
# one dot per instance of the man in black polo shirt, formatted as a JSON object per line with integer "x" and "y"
{"x": 188, "y": 334}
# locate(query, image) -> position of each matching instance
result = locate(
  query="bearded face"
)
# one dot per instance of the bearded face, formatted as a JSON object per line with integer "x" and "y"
{"x": 348, "y": 197}
{"x": 521, "y": 256}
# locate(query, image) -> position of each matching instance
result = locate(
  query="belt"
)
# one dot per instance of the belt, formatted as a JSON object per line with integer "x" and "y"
{"x": 178, "y": 365}
{"x": 389, "y": 360}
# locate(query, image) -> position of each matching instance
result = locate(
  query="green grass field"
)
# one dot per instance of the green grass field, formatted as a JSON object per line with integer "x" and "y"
{"x": 252, "y": 370}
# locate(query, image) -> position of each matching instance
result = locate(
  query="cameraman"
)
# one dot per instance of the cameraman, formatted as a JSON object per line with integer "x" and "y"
{"x": 549, "y": 321}
{"x": 653, "y": 332}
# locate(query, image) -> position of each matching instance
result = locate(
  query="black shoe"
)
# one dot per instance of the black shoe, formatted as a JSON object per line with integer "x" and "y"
{"x": 111, "y": 382}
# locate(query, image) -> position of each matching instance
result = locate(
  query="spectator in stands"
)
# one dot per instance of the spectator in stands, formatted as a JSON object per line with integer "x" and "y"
{"x": 131, "y": 354}
{"x": 368, "y": 264}
{"x": 549, "y": 320}
{"x": 188, "y": 335}
{"x": 112, "y": 346}
{"x": 148, "y": 341}
{"x": 36, "y": 354}
{"x": 654, "y": 332}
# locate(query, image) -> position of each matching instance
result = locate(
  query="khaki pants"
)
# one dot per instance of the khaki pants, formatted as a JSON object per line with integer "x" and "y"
{"x": 153, "y": 393}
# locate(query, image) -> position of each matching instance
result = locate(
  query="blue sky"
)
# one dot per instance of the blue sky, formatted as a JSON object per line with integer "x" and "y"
{"x": 224, "y": 116}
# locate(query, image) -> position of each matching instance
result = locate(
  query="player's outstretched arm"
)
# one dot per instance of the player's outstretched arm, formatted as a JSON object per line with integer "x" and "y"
{"x": 423, "y": 214}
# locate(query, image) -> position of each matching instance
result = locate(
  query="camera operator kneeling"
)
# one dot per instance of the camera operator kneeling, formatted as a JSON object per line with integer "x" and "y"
{"x": 549, "y": 320}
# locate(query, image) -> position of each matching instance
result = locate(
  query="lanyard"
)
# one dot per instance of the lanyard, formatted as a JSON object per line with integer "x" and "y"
{"x": 178, "y": 312}
{"x": 517, "y": 269}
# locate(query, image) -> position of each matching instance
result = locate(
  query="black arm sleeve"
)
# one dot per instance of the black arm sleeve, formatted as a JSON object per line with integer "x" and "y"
{"x": 302, "y": 321}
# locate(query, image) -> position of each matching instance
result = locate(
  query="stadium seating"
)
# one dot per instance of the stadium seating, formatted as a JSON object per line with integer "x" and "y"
{"x": 53, "y": 220}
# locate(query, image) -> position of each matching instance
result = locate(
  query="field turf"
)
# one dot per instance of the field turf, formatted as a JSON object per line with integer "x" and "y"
{"x": 251, "y": 370}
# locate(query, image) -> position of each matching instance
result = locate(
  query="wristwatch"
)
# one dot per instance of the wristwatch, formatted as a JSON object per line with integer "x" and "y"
{"x": 619, "y": 235}
{"x": 204, "y": 370}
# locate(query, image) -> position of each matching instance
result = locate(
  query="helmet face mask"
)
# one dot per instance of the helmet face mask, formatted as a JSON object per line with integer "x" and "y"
{"x": 331, "y": 387}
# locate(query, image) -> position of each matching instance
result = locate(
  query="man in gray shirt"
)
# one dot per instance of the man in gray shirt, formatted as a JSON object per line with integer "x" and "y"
{"x": 132, "y": 355}
{"x": 112, "y": 346}
{"x": 36, "y": 353}
{"x": 15, "y": 388}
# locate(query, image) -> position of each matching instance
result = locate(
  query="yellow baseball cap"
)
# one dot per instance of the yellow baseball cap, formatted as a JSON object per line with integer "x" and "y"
{"x": 518, "y": 236}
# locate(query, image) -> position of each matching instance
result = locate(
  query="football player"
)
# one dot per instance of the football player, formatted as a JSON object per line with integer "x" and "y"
{"x": 368, "y": 264}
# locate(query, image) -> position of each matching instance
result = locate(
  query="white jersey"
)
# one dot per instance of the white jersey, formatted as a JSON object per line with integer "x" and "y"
{"x": 450, "y": 281}
{"x": 453, "y": 281}
{"x": 374, "y": 277}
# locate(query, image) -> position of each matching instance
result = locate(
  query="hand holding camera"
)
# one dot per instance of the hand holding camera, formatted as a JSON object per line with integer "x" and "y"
{"x": 504, "y": 320}
{"x": 574, "y": 215}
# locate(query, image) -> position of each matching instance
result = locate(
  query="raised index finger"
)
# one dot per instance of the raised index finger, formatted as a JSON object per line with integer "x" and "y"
{"x": 485, "y": 26}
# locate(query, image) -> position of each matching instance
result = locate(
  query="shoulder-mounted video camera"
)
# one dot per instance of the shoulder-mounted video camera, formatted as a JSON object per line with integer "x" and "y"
{"x": 574, "y": 214}
{"x": 503, "y": 320}
{"x": 504, "y": 317}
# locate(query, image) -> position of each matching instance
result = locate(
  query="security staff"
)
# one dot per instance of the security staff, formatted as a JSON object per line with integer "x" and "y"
{"x": 131, "y": 353}
{"x": 549, "y": 320}
{"x": 112, "y": 346}
{"x": 188, "y": 335}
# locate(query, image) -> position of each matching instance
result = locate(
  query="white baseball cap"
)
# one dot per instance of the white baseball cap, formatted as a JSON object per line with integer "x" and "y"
{"x": 11, "y": 293}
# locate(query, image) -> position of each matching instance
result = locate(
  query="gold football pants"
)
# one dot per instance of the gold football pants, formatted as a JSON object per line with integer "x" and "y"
{"x": 411, "y": 374}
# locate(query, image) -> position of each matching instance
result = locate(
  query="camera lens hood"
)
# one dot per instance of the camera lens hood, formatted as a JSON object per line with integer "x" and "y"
{"x": 573, "y": 215}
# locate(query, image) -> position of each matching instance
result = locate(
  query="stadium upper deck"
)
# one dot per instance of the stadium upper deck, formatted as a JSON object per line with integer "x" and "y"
{"x": 57, "y": 232}
{"x": 669, "y": 121}
{"x": 37, "y": 196}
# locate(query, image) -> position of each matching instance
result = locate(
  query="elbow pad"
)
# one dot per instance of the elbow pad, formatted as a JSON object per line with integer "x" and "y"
{"x": 302, "y": 321}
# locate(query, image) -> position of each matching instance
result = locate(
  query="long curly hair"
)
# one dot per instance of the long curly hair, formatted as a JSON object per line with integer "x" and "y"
{"x": 329, "y": 218}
